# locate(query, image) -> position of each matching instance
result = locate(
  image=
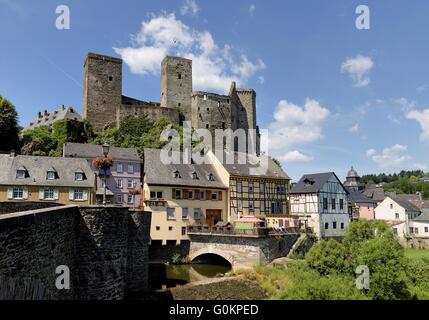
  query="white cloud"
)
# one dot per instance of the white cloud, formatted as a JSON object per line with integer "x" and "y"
{"x": 391, "y": 157}
{"x": 189, "y": 7}
{"x": 358, "y": 68}
{"x": 261, "y": 79}
{"x": 252, "y": 9}
{"x": 405, "y": 105}
{"x": 355, "y": 128}
{"x": 371, "y": 152}
{"x": 422, "y": 117}
{"x": 295, "y": 156}
{"x": 295, "y": 126}
{"x": 393, "y": 119}
{"x": 214, "y": 67}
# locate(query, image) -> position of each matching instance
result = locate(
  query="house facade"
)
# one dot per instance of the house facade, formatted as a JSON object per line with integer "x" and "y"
{"x": 179, "y": 195}
{"x": 259, "y": 193}
{"x": 360, "y": 206}
{"x": 46, "y": 179}
{"x": 121, "y": 180}
{"x": 398, "y": 213}
{"x": 320, "y": 202}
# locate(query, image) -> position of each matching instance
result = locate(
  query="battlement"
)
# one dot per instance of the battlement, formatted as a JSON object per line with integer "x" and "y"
{"x": 210, "y": 96}
{"x": 101, "y": 57}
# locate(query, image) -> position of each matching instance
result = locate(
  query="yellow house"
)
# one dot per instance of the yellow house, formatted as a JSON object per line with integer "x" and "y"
{"x": 46, "y": 179}
{"x": 179, "y": 195}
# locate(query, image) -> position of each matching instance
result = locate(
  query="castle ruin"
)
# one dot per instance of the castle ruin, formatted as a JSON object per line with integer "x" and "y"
{"x": 105, "y": 106}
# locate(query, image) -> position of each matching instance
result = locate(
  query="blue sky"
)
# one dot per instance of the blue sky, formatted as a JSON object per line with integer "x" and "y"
{"x": 332, "y": 95}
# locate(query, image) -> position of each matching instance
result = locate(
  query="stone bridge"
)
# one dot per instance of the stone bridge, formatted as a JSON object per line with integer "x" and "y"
{"x": 240, "y": 250}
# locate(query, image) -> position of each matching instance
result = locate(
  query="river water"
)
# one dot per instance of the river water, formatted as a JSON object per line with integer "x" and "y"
{"x": 163, "y": 276}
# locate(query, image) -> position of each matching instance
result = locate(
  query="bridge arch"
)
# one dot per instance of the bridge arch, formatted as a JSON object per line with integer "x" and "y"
{"x": 210, "y": 251}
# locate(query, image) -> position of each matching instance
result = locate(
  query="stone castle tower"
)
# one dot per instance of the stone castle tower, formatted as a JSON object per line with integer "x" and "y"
{"x": 102, "y": 90}
{"x": 176, "y": 84}
{"x": 104, "y": 105}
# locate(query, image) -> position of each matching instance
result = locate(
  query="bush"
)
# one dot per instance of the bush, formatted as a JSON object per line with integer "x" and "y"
{"x": 176, "y": 258}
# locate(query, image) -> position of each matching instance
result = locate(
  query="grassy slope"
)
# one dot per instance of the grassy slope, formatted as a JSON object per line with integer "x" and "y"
{"x": 413, "y": 253}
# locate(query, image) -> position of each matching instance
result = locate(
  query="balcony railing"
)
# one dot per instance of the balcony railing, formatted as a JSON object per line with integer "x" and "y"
{"x": 229, "y": 230}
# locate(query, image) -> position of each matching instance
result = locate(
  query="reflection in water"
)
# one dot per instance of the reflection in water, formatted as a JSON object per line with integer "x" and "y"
{"x": 163, "y": 276}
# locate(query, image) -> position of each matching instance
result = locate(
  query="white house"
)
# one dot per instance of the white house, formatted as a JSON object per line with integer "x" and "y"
{"x": 320, "y": 202}
{"x": 398, "y": 213}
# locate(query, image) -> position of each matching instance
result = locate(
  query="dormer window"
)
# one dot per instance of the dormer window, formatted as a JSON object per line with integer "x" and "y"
{"x": 51, "y": 175}
{"x": 21, "y": 173}
{"x": 177, "y": 174}
{"x": 78, "y": 176}
{"x": 195, "y": 176}
{"x": 308, "y": 181}
{"x": 211, "y": 177}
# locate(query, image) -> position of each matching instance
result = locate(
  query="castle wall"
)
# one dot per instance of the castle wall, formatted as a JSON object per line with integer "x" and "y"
{"x": 105, "y": 248}
{"x": 133, "y": 107}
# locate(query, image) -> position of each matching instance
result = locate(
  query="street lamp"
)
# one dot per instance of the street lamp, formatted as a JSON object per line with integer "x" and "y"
{"x": 106, "y": 148}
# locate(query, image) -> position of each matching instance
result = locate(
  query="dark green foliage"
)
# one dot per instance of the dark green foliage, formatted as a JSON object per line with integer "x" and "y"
{"x": 9, "y": 129}
{"x": 137, "y": 132}
{"x": 327, "y": 257}
{"x": 46, "y": 141}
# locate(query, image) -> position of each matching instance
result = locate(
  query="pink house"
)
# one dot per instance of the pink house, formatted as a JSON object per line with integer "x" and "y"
{"x": 360, "y": 206}
{"x": 123, "y": 177}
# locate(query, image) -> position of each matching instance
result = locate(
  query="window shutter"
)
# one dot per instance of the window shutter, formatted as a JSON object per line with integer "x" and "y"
{"x": 174, "y": 194}
{"x": 208, "y": 194}
{"x": 71, "y": 194}
{"x": 220, "y": 195}
{"x": 41, "y": 194}
{"x": 9, "y": 193}
{"x": 85, "y": 195}
{"x": 185, "y": 194}
{"x": 25, "y": 193}
{"x": 56, "y": 194}
{"x": 197, "y": 194}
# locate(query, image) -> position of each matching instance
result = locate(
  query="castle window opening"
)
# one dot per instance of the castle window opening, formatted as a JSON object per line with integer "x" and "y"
{"x": 208, "y": 109}
{"x": 110, "y": 78}
{"x": 227, "y": 100}
{"x": 207, "y": 126}
{"x": 218, "y": 103}
{"x": 179, "y": 104}
{"x": 158, "y": 228}
{"x": 223, "y": 125}
{"x": 179, "y": 76}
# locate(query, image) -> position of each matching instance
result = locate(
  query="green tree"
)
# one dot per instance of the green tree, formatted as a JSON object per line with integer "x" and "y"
{"x": 327, "y": 257}
{"x": 9, "y": 129}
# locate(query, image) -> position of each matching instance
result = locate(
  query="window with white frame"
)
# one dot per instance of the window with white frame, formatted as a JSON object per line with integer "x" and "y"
{"x": 50, "y": 175}
{"x": 170, "y": 213}
{"x": 119, "y": 167}
{"x": 261, "y": 187}
{"x": 251, "y": 206}
{"x": 239, "y": 186}
{"x": 202, "y": 195}
{"x": 183, "y": 231}
{"x": 178, "y": 194}
{"x": 130, "y": 183}
{"x": 119, "y": 198}
{"x": 240, "y": 205}
{"x": 78, "y": 194}
{"x": 49, "y": 194}
{"x": 20, "y": 174}
{"x": 130, "y": 168}
{"x": 396, "y": 216}
{"x": 156, "y": 195}
{"x": 130, "y": 198}
{"x": 214, "y": 195}
{"x": 185, "y": 213}
{"x": 197, "y": 214}
{"x": 78, "y": 176}
{"x": 426, "y": 229}
{"x": 190, "y": 194}
{"x": 18, "y": 193}
{"x": 119, "y": 183}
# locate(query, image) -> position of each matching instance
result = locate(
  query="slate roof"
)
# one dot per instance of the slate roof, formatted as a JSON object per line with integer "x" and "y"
{"x": 407, "y": 205}
{"x": 47, "y": 118}
{"x": 424, "y": 217}
{"x": 37, "y": 168}
{"x": 243, "y": 169}
{"x": 312, "y": 183}
{"x": 92, "y": 151}
{"x": 376, "y": 194}
{"x": 163, "y": 174}
{"x": 359, "y": 197}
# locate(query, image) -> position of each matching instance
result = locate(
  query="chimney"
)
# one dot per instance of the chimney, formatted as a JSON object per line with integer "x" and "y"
{"x": 46, "y": 112}
{"x": 39, "y": 114}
